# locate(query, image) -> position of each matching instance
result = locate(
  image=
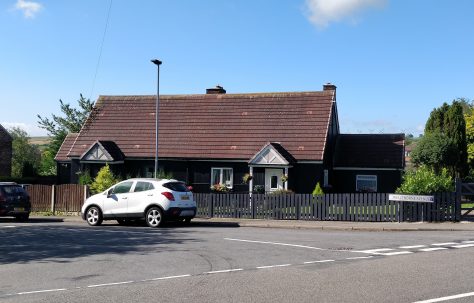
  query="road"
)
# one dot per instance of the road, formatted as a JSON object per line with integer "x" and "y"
{"x": 44, "y": 261}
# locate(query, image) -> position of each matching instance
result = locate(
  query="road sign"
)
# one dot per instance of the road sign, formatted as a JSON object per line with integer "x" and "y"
{"x": 411, "y": 198}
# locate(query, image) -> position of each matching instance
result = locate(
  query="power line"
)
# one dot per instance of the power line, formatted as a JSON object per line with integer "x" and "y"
{"x": 100, "y": 51}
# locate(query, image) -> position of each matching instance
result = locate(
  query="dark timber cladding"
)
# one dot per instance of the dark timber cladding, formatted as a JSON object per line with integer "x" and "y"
{"x": 211, "y": 126}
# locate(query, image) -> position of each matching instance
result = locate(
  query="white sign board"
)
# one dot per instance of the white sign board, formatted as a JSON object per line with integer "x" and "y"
{"x": 411, "y": 198}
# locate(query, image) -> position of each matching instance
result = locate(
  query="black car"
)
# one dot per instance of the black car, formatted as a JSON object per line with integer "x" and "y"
{"x": 14, "y": 201}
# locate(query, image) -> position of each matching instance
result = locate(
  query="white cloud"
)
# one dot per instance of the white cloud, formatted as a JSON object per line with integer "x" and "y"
{"x": 323, "y": 12}
{"x": 29, "y": 8}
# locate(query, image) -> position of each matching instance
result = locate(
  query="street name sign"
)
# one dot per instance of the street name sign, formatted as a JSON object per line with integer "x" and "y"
{"x": 411, "y": 198}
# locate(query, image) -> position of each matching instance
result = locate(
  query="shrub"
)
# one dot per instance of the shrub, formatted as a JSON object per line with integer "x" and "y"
{"x": 281, "y": 192}
{"x": 161, "y": 174}
{"x": 425, "y": 181}
{"x": 259, "y": 189}
{"x": 318, "y": 191}
{"x": 85, "y": 178}
{"x": 105, "y": 179}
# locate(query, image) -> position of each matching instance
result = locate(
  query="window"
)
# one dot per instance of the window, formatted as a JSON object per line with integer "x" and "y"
{"x": 274, "y": 182}
{"x": 366, "y": 183}
{"x": 176, "y": 186}
{"x": 326, "y": 178}
{"x": 222, "y": 176}
{"x": 143, "y": 186}
{"x": 123, "y": 187}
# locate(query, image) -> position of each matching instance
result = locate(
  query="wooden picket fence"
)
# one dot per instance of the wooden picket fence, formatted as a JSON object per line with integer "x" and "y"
{"x": 62, "y": 198}
{"x": 369, "y": 207}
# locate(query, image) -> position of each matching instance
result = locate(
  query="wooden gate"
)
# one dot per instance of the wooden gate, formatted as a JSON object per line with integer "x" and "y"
{"x": 466, "y": 194}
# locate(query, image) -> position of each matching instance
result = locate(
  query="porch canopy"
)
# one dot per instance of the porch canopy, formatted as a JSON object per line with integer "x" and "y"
{"x": 103, "y": 152}
{"x": 272, "y": 155}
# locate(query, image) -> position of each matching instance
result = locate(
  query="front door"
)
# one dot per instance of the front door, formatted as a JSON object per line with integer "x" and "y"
{"x": 273, "y": 179}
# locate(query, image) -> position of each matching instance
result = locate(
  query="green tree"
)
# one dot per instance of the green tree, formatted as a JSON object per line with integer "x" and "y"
{"x": 436, "y": 150}
{"x": 449, "y": 120}
{"x": 25, "y": 156}
{"x": 105, "y": 179}
{"x": 425, "y": 181}
{"x": 58, "y": 126}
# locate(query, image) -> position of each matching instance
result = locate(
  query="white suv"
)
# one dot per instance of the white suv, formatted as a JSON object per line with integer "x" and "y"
{"x": 151, "y": 199}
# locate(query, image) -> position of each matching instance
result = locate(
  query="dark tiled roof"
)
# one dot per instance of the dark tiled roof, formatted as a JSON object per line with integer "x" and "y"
{"x": 65, "y": 147}
{"x": 217, "y": 126}
{"x": 376, "y": 151}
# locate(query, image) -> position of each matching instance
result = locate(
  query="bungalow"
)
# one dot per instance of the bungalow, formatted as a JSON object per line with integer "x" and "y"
{"x": 5, "y": 153}
{"x": 283, "y": 140}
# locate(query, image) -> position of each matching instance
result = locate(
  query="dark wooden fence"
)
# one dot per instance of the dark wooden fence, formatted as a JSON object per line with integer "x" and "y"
{"x": 63, "y": 198}
{"x": 371, "y": 207}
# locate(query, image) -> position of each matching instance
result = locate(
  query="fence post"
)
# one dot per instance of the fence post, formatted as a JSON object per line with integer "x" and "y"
{"x": 298, "y": 207}
{"x": 457, "y": 205}
{"x": 211, "y": 208}
{"x": 253, "y": 206}
{"x": 53, "y": 198}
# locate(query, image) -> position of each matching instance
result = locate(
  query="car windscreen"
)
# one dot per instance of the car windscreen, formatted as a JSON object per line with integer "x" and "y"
{"x": 13, "y": 190}
{"x": 176, "y": 186}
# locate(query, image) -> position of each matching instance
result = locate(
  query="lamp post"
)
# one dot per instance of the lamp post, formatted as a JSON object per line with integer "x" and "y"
{"x": 157, "y": 63}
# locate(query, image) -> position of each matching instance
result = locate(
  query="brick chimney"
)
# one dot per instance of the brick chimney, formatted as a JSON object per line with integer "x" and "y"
{"x": 329, "y": 86}
{"x": 216, "y": 90}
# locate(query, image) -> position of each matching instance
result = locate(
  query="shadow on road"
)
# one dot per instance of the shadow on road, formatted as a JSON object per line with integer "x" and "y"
{"x": 62, "y": 243}
{"x": 32, "y": 220}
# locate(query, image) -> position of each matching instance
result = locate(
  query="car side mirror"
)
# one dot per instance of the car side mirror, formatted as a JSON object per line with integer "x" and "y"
{"x": 110, "y": 193}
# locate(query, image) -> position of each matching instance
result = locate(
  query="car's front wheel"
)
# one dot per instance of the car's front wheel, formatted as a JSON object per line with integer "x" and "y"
{"x": 154, "y": 217}
{"x": 94, "y": 216}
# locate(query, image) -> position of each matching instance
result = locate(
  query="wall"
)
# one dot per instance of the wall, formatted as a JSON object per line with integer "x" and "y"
{"x": 387, "y": 180}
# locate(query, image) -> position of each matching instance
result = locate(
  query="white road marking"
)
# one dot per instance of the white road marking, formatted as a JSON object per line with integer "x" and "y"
{"x": 377, "y": 251}
{"x": 441, "y": 299}
{"x": 9, "y": 226}
{"x": 396, "y": 253}
{"x": 433, "y": 249}
{"x": 165, "y": 278}
{"x": 320, "y": 261}
{"x": 275, "y": 243}
{"x": 412, "y": 246}
{"x": 40, "y": 291}
{"x": 467, "y": 241}
{"x": 444, "y": 244}
{"x": 463, "y": 245}
{"x": 356, "y": 258}
{"x": 223, "y": 271}
{"x": 110, "y": 284}
{"x": 272, "y": 266}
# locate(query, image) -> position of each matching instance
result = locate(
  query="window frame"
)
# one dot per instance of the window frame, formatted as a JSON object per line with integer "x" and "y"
{"x": 366, "y": 178}
{"x": 221, "y": 175}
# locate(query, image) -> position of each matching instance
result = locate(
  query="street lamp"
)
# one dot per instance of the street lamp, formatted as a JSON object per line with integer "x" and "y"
{"x": 157, "y": 63}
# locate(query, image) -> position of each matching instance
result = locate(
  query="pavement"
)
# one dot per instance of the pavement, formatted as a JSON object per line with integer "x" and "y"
{"x": 302, "y": 224}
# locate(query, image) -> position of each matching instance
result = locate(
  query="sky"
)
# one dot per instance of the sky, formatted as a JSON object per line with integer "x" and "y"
{"x": 392, "y": 61}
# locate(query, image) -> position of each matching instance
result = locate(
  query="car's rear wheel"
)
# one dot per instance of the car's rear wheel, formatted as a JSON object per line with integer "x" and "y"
{"x": 187, "y": 220}
{"x": 94, "y": 216}
{"x": 154, "y": 217}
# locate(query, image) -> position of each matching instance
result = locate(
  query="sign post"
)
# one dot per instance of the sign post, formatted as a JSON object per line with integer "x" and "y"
{"x": 411, "y": 198}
